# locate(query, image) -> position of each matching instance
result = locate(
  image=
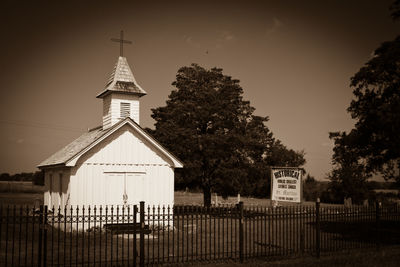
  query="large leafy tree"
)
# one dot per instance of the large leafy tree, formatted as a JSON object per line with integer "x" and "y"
{"x": 373, "y": 146}
{"x": 224, "y": 146}
{"x": 395, "y": 9}
{"x": 348, "y": 177}
{"x": 376, "y": 108}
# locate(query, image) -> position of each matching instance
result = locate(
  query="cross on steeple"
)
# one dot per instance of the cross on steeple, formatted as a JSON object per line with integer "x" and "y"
{"x": 121, "y": 42}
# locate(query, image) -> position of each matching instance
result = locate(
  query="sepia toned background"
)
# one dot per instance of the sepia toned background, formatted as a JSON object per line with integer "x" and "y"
{"x": 294, "y": 60}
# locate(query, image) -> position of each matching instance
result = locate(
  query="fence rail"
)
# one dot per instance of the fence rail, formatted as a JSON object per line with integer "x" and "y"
{"x": 131, "y": 235}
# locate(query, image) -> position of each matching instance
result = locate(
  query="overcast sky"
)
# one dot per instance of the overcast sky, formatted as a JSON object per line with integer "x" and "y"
{"x": 294, "y": 60}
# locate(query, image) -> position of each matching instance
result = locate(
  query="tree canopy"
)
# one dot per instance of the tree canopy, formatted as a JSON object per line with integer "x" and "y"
{"x": 35, "y": 177}
{"x": 348, "y": 177}
{"x": 373, "y": 146}
{"x": 225, "y": 147}
{"x": 376, "y": 108}
{"x": 395, "y": 9}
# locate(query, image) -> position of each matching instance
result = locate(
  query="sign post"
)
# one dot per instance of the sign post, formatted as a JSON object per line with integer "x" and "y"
{"x": 286, "y": 184}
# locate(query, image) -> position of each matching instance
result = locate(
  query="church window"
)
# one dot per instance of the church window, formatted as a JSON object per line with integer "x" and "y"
{"x": 125, "y": 110}
{"x": 60, "y": 191}
{"x": 50, "y": 189}
{"x": 51, "y": 183}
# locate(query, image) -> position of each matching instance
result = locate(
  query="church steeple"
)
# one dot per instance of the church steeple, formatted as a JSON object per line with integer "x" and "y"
{"x": 122, "y": 80}
{"x": 121, "y": 94}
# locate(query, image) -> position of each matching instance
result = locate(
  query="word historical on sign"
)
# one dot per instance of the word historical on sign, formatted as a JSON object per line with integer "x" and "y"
{"x": 286, "y": 184}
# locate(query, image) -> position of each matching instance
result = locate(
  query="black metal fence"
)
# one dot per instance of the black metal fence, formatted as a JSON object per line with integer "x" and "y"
{"x": 130, "y": 236}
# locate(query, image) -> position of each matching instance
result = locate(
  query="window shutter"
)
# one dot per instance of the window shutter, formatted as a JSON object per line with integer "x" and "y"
{"x": 125, "y": 110}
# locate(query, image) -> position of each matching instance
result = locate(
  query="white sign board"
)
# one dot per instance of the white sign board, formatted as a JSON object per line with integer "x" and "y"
{"x": 286, "y": 184}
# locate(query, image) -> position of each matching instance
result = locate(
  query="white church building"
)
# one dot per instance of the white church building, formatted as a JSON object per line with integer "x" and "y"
{"x": 117, "y": 163}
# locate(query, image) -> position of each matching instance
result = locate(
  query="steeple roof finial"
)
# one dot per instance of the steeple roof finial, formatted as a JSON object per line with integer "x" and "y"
{"x": 121, "y": 42}
{"x": 122, "y": 79}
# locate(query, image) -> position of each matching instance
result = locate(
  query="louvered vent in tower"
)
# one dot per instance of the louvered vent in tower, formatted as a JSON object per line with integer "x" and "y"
{"x": 125, "y": 110}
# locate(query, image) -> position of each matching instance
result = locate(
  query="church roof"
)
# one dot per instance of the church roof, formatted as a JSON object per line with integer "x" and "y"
{"x": 61, "y": 156}
{"x": 69, "y": 155}
{"x": 122, "y": 80}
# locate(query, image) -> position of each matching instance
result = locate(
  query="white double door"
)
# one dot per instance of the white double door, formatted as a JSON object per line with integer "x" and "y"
{"x": 125, "y": 188}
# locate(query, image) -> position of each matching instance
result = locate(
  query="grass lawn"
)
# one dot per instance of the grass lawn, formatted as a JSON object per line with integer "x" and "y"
{"x": 21, "y": 199}
{"x": 190, "y": 198}
{"x": 181, "y": 198}
{"x": 267, "y": 233}
{"x": 388, "y": 257}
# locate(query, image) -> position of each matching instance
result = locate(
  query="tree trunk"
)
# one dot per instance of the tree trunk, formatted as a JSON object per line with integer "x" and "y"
{"x": 206, "y": 197}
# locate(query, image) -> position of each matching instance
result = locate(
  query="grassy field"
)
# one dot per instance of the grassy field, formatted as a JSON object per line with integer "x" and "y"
{"x": 195, "y": 237}
{"x": 21, "y": 187}
{"x": 20, "y": 193}
{"x": 181, "y": 198}
{"x": 21, "y": 199}
{"x": 190, "y": 198}
{"x": 276, "y": 232}
{"x": 388, "y": 257}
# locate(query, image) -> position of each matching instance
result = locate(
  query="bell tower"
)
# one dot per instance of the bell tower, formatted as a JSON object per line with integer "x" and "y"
{"x": 122, "y": 93}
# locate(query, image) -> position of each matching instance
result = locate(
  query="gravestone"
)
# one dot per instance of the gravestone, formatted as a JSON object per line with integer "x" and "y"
{"x": 347, "y": 202}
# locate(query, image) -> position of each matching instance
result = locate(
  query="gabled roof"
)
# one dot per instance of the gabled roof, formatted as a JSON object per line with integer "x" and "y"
{"x": 69, "y": 155}
{"x": 122, "y": 80}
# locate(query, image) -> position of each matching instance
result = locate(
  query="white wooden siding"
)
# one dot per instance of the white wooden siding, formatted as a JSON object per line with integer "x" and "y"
{"x": 46, "y": 197}
{"x": 124, "y": 147}
{"x": 122, "y": 153}
{"x": 52, "y": 195}
{"x": 112, "y": 108}
{"x": 106, "y": 112}
{"x": 92, "y": 185}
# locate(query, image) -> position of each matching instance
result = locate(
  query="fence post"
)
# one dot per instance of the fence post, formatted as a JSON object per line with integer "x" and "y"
{"x": 318, "y": 228}
{"x": 241, "y": 222}
{"x": 40, "y": 236}
{"x": 141, "y": 229}
{"x": 45, "y": 236}
{"x": 302, "y": 240}
{"x": 378, "y": 218}
{"x": 134, "y": 235}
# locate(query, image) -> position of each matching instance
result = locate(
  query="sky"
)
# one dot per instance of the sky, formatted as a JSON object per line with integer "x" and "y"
{"x": 294, "y": 60}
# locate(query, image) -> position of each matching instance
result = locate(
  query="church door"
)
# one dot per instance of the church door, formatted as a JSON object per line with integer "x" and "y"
{"x": 136, "y": 188}
{"x": 114, "y": 188}
{"x": 125, "y": 188}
